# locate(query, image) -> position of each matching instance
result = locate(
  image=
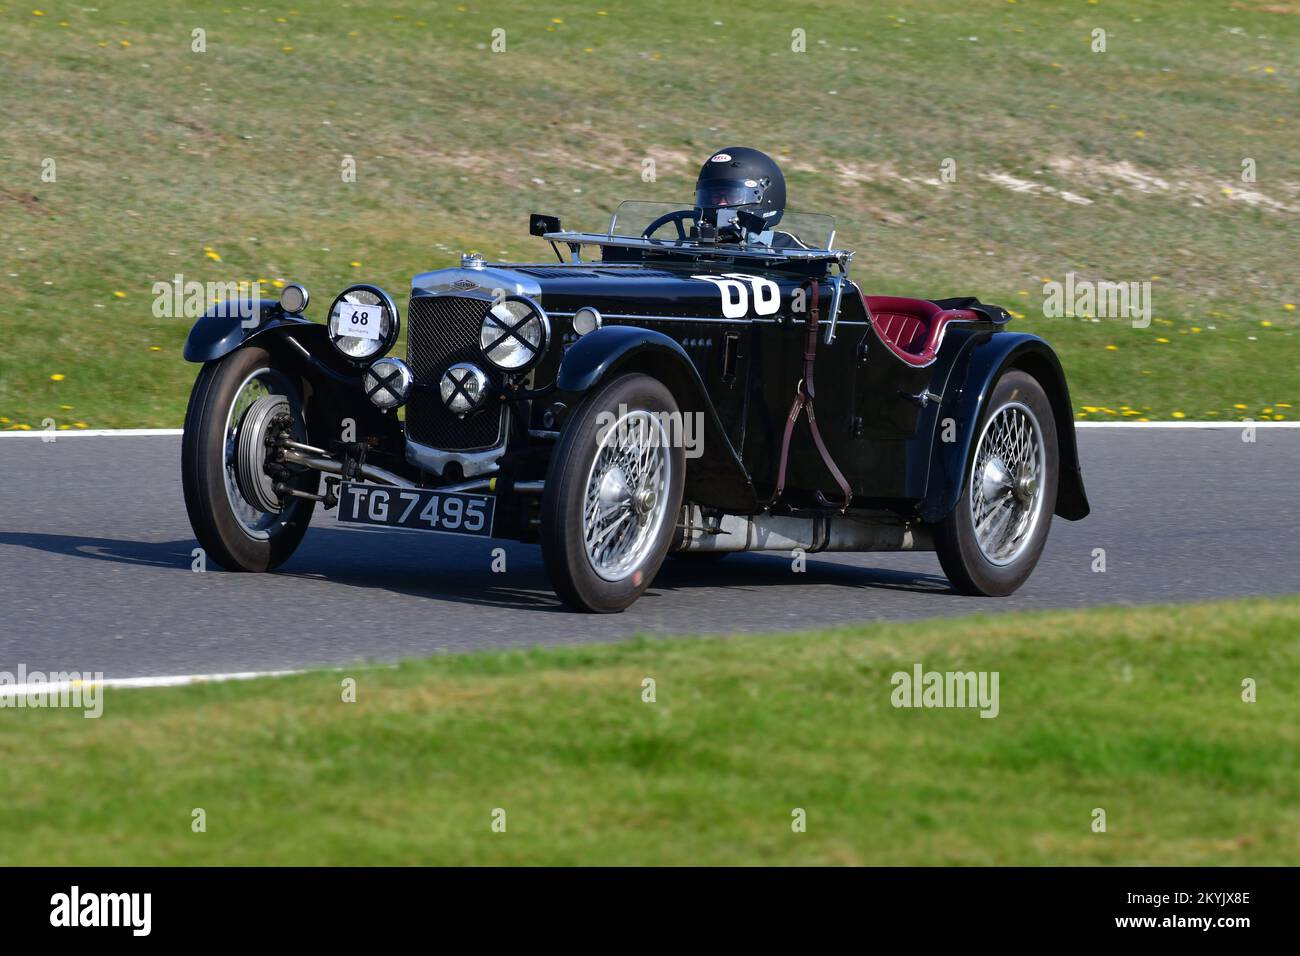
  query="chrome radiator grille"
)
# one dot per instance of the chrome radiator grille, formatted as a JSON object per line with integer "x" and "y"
{"x": 442, "y": 330}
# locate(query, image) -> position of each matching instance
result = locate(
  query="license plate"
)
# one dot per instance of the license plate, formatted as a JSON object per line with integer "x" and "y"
{"x": 419, "y": 509}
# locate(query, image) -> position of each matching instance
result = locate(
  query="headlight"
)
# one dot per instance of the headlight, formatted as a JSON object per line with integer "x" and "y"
{"x": 363, "y": 322}
{"x": 388, "y": 383}
{"x": 464, "y": 388}
{"x": 514, "y": 333}
{"x": 586, "y": 320}
{"x": 293, "y": 298}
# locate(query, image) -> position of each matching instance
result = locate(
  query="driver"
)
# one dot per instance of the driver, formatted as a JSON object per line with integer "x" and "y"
{"x": 740, "y": 179}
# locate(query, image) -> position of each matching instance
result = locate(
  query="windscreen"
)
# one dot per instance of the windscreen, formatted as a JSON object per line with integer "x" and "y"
{"x": 633, "y": 217}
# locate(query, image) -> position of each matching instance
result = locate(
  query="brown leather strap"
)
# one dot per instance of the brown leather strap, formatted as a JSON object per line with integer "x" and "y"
{"x": 803, "y": 401}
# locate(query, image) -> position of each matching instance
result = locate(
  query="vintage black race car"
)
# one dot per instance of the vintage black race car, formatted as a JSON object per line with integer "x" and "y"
{"x": 646, "y": 394}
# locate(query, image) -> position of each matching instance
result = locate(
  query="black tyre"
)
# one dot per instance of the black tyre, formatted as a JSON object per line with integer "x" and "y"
{"x": 991, "y": 541}
{"x": 238, "y": 533}
{"x": 613, "y": 495}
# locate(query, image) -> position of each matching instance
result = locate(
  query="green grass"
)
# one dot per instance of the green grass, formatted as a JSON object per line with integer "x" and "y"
{"x": 1137, "y": 712}
{"x": 162, "y": 153}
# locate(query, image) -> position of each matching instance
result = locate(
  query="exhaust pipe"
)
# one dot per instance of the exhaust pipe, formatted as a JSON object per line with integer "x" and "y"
{"x": 856, "y": 531}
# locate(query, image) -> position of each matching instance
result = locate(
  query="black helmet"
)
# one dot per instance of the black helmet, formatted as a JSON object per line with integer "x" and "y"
{"x": 740, "y": 178}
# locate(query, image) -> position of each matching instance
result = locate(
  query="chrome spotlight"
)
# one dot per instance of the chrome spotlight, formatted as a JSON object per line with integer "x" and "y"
{"x": 388, "y": 383}
{"x": 586, "y": 320}
{"x": 294, "y": 298}
{"x": 464, "y": 388}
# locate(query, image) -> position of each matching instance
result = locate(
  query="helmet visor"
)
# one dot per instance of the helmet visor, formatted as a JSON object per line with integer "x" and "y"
{"x": 721, "y": 193}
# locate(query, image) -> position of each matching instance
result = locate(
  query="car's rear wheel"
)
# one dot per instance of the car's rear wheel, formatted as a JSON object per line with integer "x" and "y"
{"x": 613, "y": 492}
{"x": 991, "y": 541}
{"x": 237, "y": 517}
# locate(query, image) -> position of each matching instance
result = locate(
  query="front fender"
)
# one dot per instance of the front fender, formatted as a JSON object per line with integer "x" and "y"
{"x": 717, "y": 478}
{"x": 228, "y": 325}
{"x": 984, "y": 359}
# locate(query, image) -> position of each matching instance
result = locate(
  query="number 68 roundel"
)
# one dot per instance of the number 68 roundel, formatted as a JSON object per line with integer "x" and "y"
{"x": 737, "y": 289}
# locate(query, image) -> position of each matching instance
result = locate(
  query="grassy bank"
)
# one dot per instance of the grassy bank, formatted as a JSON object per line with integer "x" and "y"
{"x": 225, "y": 165}
{"x": 1136, "y": 712}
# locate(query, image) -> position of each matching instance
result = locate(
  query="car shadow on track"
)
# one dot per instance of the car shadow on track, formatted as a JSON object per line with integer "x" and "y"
{"x": 159, "y": 554}
{"x": 460, "y": 570}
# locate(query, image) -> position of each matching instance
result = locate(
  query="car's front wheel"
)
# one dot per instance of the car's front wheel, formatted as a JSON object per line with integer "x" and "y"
{"x": 991, "y": 541}
{"x": 237, "y": 516}
{"x": 613, "y": 493}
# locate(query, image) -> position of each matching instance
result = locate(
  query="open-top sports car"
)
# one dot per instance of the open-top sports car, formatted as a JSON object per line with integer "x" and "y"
{"x": 689, "y": 381}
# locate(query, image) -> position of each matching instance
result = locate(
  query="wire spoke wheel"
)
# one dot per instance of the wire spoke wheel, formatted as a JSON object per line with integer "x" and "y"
{"x": 1006, "y": 484}
{"x": 626, "y": 498}
{"x": 613, "y": 493}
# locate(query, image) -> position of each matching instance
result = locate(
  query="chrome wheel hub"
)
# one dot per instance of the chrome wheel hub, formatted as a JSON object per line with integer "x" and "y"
{"x": 249, "y": 502}
{"x": 994, "y": 478}
{"x": 626, "y": 490}
{"x": 644, "y": 501}
{"x": 1026, "y": 487}
{"x": 1006, "y": 500}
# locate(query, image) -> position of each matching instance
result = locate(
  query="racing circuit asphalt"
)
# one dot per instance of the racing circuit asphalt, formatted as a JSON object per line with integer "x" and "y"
{"x": 95, "y": 565}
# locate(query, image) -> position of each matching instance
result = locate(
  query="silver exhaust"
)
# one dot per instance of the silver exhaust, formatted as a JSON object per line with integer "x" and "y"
{"x": 855, "y": 531}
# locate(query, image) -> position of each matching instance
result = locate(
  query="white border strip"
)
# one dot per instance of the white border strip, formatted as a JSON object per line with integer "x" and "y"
{"x": 179, "y": 680}
{"x": 1187, "y": 424}
{"x": 176, "y": 432}
{"x": 94, "y": 433}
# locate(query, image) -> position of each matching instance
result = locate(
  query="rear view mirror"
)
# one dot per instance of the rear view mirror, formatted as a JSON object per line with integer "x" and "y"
{"x": 539, "y": 225}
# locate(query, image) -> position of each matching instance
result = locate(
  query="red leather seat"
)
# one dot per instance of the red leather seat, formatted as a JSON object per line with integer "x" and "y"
{"x": 912, "y": 328}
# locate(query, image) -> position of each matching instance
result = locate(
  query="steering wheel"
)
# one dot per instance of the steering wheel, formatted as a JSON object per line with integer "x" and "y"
{"x": 676, "y": 218}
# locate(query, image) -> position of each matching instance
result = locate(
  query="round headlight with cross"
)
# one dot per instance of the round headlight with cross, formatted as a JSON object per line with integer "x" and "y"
{"x": 463, "y": 388}
{"x": 514, "y": 333}
{"x": 363, "y": 323}
{"x": 388, "y": 383}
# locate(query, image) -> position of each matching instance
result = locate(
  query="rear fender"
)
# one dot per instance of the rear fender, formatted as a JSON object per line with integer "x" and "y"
{"x": 975, "y": 372}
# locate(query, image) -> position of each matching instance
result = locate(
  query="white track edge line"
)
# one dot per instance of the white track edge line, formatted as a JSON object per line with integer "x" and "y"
{"x": 95, "y": 433}
{"x": 1187, "y": 424}
{"x": 176, "y": 680}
